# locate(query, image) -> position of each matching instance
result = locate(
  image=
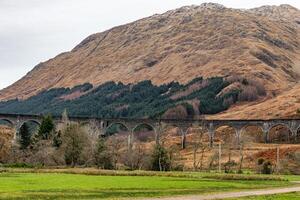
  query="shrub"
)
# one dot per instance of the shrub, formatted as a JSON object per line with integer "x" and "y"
{"x": 260, "y": 161}
{"x": 57, "y": 139}
{"x": 160, "y": 159}
{"x": 265, "y": 166}
{"x": 228, "y": 165}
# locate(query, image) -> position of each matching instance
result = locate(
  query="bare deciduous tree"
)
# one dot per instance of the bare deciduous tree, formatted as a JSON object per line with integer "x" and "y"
{"x": 213, "y": 160}
{"x": 135, "y": 156}
{"x": 199, "y": 146}
{"x": 117, "y": 147}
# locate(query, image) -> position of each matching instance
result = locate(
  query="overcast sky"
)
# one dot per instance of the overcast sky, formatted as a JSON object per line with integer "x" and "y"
{"x": 32, "y": 31}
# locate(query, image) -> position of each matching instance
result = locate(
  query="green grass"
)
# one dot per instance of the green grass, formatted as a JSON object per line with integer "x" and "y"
{"x": 80, "y": 186}
{"x": 292, "y": 177}
{"x": 288, "y": 196}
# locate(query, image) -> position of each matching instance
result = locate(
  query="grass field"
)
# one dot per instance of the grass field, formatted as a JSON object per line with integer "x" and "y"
{"x": 288, "y": 196}
{"x": 15, "y": 185}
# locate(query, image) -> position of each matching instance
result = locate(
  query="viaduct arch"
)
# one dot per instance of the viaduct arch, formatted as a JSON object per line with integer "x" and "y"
{"x": 239, "y": 126}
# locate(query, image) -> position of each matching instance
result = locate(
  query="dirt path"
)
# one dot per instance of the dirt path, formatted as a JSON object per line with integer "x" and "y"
{"x": 232, "y": 194}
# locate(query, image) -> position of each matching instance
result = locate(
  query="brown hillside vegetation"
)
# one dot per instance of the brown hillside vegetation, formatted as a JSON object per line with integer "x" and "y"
{"x": 198, "y": 150}
{"x": 193, "y": 41}
{"x": 6, "y": 136}
{"x": 284, "y": 105}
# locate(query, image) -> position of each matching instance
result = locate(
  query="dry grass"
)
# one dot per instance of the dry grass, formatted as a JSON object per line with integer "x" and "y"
{"x": 6, "y": 135}
{"x": 100, "y": 172}
{"x": 244, "y": 177}
{"x": 284, "y": 105}
{"x": 167, "y": 47}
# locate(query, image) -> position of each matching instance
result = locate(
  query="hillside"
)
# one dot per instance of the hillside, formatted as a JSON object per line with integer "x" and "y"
{"x": 143, "y": 99}
{"x": 259, "y": 45}
{"x": 285, "y": 104}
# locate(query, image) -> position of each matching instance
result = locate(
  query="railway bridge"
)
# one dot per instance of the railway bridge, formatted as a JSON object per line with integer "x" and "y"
{"x": 17, "y": 120}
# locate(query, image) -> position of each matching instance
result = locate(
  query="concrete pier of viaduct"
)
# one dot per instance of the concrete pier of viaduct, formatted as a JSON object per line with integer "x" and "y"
{"x": 16, "y": 121}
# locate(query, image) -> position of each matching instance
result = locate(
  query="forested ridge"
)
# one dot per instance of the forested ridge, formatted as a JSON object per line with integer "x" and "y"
{"x": 119, "y": 100}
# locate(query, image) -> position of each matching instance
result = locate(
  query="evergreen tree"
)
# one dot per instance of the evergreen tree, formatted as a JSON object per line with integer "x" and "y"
{"x": 25, "y": 136}
{"x": 47, "y": 127}
{"x": 160, "y": 159}
{"x": 102, "y": 156}
{"x": 74, "y": 140}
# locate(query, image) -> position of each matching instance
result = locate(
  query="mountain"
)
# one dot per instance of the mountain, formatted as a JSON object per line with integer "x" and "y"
{"x": 255, "y": 51}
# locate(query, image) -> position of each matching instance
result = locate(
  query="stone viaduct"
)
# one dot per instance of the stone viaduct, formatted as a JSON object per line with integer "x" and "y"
{"x": 16, "y": 121}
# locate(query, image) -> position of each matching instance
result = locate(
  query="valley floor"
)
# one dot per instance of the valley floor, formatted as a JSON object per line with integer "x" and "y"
{"x": 64, "y": 184}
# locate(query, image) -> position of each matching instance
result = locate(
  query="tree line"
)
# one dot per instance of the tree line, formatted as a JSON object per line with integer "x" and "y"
{"x": 139, "y": 100}
{"x": 72, "y": 144}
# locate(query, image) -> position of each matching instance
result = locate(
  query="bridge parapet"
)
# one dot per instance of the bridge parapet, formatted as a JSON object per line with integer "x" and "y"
{"x": 103, "y": 124}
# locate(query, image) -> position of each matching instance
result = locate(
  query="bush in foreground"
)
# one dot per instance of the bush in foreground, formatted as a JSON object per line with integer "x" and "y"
{"x": 160, "y": 159}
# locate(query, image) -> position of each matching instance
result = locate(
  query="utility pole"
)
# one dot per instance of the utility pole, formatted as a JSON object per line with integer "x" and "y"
{"x": 277, "y": 160}
{"x": 241, "y": 157}
{"x": 220, "y": 154}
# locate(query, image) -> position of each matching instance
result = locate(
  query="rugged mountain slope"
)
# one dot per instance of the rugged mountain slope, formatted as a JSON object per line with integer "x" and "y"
{"x": 254, "y": 50}
{"x": 207, "y": 40}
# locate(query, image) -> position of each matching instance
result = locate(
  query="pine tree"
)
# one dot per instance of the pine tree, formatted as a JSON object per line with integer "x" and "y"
{"x": 74, "y": 140}
{"x": 160, "y": 159}
{"x": 102, "y": 157}
{"x": 25, "y": 136}
{"x": 47, "y": 127}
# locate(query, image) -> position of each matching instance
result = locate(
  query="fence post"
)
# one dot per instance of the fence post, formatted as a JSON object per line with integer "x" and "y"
{"x": 220, "y": 155}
